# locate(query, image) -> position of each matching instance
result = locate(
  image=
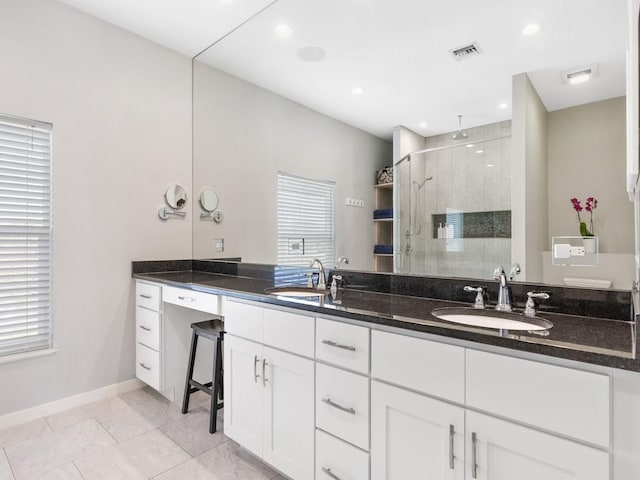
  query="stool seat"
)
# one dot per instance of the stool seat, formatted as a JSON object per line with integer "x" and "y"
{"x": 212, "y": 330}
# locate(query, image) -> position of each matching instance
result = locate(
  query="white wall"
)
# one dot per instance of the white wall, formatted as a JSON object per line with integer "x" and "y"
{"x": 587, "y": 157}
{"x": 243, "y": 135}
{"x": 529, "y": 203}
{"x": 121, "y": 113}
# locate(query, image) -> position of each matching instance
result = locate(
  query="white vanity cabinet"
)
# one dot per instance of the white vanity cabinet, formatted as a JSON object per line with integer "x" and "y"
{"x": 501, "y": 450}
{"x": 269, "y": 393}
{"x": 456, "y": 435}
{"x": 149, "y": 334}
{"x": 414, "y": 436}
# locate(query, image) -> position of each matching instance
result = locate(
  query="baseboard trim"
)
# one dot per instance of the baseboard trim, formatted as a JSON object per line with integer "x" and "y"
{"x": 40, "y": 411}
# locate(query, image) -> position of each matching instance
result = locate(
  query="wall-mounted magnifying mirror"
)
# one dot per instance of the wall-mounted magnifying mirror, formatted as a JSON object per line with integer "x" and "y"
{"x": 208, "y": 199}
{"x": 176, "y": 196}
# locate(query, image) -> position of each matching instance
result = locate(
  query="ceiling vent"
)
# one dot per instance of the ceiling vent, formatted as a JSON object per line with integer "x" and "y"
{"x": 470, "y": 50}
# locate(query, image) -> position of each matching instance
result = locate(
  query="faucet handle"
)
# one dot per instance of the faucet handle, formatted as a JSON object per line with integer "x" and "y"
{"x": 481, "y": 293}
{"x": 530, "y": 306}
{"x": 515, "y": 270}
{"x": 309, "y": 276}
{"x": 497, "y": 272}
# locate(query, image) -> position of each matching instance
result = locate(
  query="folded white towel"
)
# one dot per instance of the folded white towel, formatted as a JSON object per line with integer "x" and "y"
{"x": 586, "y": 282}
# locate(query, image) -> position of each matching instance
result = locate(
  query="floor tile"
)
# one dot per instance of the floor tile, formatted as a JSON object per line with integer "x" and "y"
{"x": 53, "y": 449}
{"x": 139, "y": 395}
{"x": 5, "y": 472}
{"x": 139, "y": 417}
{"x": 191, "y": 431}
{"x": 198, "y": 400}
{"x": 226, "y": 462}
{"x": 5, "y": 469}
{"x": 84, "y": 412}
{"x": 22, "y": 432}
{"x": 65, "y": 472}
{"x": 141, "y": 457}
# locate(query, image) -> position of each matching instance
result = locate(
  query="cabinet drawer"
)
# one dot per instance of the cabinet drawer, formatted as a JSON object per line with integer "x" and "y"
{"x": 430, "y": 367}
{"x": 342, "y": 404}
{"x": 148, "y": 366}
{"x": 204, "y": 302}
{"x": 148, "y": 328}
{"x": 243, "y": 320}
{"x": 336, "y": 457}
{"x": 148, "y": 295}
{"x": 289, "y": 331}
{"x": 560, "y": 399}
{"x": 343, "y": 344}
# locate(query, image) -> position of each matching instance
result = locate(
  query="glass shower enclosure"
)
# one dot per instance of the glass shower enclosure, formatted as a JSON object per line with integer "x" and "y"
{"x": 453, "y": 205}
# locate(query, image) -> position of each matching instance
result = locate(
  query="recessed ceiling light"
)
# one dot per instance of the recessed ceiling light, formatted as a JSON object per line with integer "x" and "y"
{"x": 423, "y": 124}
{"x": 489, "y": 165}
{"x": 530, "y": 29}
{"x": 311, "y": 54}
{"x": 357, "y": 91}
{"x": 470, "y": 145}
{"x": 503, "y": 105}
{"x": 283, "y": 31}
{"x": 579, "y": 77}
{"x": 479, "y": 151}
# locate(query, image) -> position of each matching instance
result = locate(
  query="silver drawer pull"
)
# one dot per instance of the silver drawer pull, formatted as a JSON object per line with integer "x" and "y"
{"x": 333, "y": 404}
{"x": 143, "y": 295}
{"x": 255, "y": 369}
{"x": 146, "y": 367}
{"x": 337, "y": 345}
{"x": 187, "y": 299}
{"x": 145, "y": 328}
{"x": 452, "y": 432}
{"x": 474, "y": 455}
{"x": 329, "y": 473}
{"x": 264, "y": 372}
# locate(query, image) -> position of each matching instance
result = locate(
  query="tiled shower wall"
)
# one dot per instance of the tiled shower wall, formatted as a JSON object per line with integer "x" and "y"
{"x": 464, "y": 179}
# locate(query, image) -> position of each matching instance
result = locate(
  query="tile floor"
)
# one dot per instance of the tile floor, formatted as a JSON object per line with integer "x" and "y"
{"x": 137, "y": 435}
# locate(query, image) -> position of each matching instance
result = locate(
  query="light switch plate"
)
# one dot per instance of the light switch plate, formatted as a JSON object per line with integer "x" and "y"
{"x": 354, "y": 202}
{"x": 218, "y": 244}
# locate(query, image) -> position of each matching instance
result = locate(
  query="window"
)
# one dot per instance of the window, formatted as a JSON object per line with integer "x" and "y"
{"x": 25, "y": 235}
{"x": 306, "y": 220}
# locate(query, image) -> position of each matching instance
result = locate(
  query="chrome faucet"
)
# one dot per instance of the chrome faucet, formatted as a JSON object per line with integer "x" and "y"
{"x": 340, "y": 261}
{"x": 504, "y": 299}
{"x": 322, "y": 279}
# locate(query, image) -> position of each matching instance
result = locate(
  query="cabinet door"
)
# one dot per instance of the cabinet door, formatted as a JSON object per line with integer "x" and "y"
{"x": 504, "y": 451}
{"x": 415, "y": 437}
{"x": 243, "y": 392}
{"x": 288, "y": 414}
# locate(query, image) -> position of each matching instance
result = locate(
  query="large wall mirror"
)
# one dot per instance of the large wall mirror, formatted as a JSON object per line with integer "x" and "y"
{"x": 334, "y": 90}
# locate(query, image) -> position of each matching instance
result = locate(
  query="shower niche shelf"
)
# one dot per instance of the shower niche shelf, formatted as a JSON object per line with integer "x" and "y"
{"x": 383, "y": 228}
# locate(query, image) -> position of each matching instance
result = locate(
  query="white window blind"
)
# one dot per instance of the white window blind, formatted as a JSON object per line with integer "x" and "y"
{"x": 306, "y": 220}
{"x": 25, "y": 235}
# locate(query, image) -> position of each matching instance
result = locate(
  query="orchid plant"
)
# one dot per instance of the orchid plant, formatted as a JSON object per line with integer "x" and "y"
{"x": 590, "y": 206}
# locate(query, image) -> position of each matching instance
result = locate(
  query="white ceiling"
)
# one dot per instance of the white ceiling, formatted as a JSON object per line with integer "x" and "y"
{"x": 397, "y": 51}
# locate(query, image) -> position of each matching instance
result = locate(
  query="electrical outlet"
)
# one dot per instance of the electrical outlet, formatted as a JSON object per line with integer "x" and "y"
{"x": 354, "y": 202}
{"x": 218, "y": 244}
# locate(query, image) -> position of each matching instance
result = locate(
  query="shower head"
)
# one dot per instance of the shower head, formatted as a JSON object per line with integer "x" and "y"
{"x": 420, "y": 184}
{"x": 460, "y": 135}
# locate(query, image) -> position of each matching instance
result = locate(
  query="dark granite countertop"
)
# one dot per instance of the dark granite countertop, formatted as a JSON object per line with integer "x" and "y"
{"x": 600, "y": 341}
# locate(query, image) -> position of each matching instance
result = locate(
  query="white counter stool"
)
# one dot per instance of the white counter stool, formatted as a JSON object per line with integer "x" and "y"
{"x": 212, "y": 330}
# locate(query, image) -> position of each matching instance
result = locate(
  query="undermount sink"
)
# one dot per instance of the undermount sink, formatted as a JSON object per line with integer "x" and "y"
{"x": 301, "y": 292}
{"x": 491, "y": 319}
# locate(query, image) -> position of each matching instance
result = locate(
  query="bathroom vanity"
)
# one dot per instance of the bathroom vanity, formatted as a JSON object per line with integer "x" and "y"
{"x": 370, "y": 386}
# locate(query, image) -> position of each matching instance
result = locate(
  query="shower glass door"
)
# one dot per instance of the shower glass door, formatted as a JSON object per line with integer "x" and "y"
{"x": 453, "y": 205}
